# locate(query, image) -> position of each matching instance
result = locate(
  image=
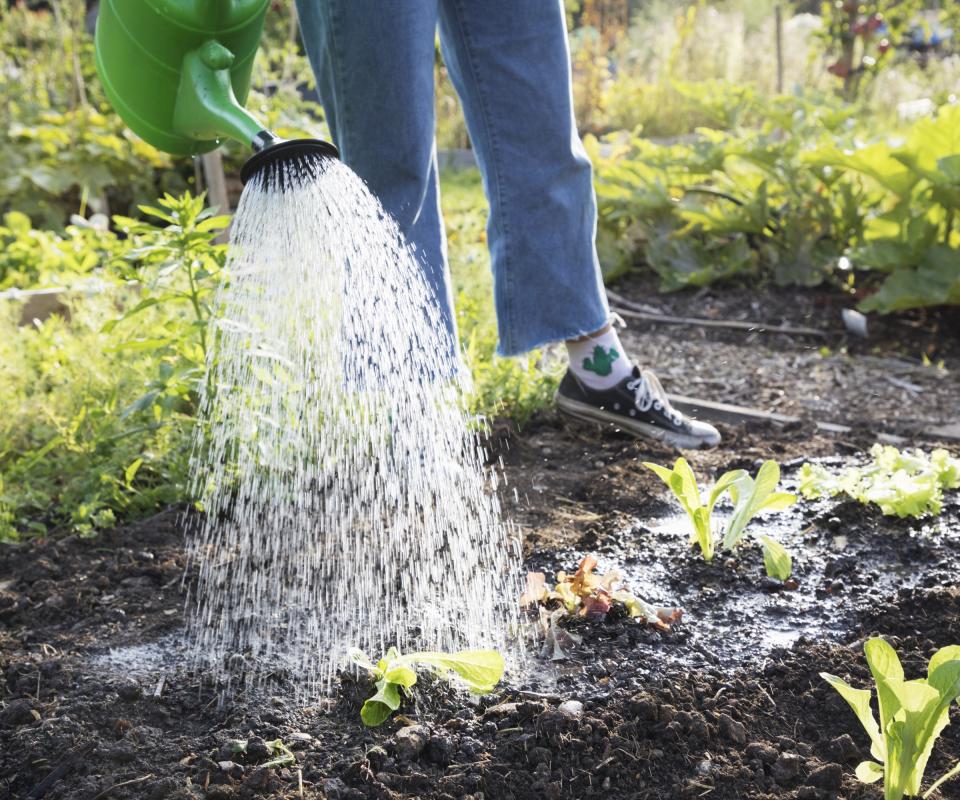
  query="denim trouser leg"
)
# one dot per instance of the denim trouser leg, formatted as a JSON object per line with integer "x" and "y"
{"x": 374, "y": 63}
{"x": 510, "y": 64}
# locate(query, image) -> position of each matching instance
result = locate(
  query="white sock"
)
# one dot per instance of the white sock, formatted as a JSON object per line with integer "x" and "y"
{"x": 599, "y": 361}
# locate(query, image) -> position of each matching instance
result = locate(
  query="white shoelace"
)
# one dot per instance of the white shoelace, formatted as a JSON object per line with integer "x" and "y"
{"x": 648, "y": 393}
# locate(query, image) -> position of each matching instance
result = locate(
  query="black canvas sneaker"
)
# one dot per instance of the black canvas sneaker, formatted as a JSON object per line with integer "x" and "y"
{"x": 637, "y": 405}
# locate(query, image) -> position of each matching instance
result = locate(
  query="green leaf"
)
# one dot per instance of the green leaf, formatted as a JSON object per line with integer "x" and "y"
{"x": 686, "y": 489}
{"x": 869, "y": 772}
{"x": 378, "y": 708}
{"x": 751, "y": 496}
{"x": 401, "y": 675}
{"x": 778, "y": 501}
{"x": 726, "y": 483}
{"x": 859, "y": 701}
{"x": 662, "y": 472}
{"x": 703, "y": 535}
{"x": 362, "y": 660}
{"x": 941, "y": 657}
{"x": 776, "y": 559}
{"x": 481, "y": 670}
{"x": 130, "y": 472}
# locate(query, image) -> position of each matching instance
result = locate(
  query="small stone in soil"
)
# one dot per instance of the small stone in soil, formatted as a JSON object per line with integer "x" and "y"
{"x": 843, "y": 748}
{"x": 410, "y": 741}
{"x": 786, "y": 768}
{"x": 17, "y": 712}
{"x": 828, "y": 776}
{"x": 571, "y": 708}
{"x": 733, "y": 730}
{"x": 764, "y": 752}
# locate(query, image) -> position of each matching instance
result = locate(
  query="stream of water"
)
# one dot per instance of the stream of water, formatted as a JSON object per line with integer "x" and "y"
{"x": 346, "y": 497}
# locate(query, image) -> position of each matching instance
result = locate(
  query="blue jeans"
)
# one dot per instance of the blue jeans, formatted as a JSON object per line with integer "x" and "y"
{"x": 510, "y": 64}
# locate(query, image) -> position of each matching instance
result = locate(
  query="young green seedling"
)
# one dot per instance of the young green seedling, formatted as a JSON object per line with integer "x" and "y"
{"x": 912, "y": 716}
{"x": 751, "y": 496}
{"x": 683, "y": 483}
{"x": 907, "y": 483}
{"x": 481, "y": 670}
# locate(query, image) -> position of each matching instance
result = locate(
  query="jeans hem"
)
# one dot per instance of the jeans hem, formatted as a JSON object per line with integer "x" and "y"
{"x": 519, "y": 347}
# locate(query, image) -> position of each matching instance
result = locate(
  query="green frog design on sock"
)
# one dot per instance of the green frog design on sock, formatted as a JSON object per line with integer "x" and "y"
{"x": 602, "y": 361}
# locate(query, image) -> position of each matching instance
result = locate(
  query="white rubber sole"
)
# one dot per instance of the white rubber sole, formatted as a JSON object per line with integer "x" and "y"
{"x": 588, "y": 413}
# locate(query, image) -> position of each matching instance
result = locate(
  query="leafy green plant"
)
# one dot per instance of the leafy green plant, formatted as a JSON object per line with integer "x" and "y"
{"x": 913, "y": 236}
{"x": 906, "y": 484}
{"x": 683, "y": 483}
{"x": 68, "y": 460}
{"x": 179, "y": 266}
{"x": 35, "y": 259}
{"x": 750, "y": 496}
{"x": 480, "y": 670}
{"x": 799, "y": 200}
{"x": 98, "y": 417}
{"x": 912, "y": 715}
{"x": 65, "y": 149}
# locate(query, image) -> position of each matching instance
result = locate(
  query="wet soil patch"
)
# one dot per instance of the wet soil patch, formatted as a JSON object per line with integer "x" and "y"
{"x": 728, "y": 704}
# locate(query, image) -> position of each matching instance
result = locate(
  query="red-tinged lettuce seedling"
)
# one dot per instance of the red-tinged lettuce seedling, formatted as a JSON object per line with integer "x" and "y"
{"x": 912, "y": 716}
{"x": 591, "y": 596}
{"x": 480, "y": 670}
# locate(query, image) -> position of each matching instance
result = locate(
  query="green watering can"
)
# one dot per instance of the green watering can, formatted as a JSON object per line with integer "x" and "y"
{"x": 178, "y": 72}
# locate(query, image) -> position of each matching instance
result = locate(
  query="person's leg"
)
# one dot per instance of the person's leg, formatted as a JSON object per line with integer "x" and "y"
{"x": 510, "y": 64}
{"x": 374, "y": 63}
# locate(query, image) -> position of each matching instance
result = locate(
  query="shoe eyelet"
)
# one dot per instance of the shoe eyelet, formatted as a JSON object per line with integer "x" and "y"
{"x": 658, "y": 405}
{"x": 633, "y": 412}
{"x": 616, "y": 406}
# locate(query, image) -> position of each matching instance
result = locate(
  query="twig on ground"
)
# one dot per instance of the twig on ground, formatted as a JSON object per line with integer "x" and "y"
{"x": 632, "y": 310}
{"x": 59, "y": 771}
{"x": 106, "y": 792}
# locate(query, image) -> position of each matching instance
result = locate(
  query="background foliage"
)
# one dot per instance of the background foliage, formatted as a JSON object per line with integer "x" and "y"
{"x": 715, "y": 161}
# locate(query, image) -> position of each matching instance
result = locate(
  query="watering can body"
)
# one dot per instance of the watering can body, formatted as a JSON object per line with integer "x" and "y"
{"x": 178, "y": 71}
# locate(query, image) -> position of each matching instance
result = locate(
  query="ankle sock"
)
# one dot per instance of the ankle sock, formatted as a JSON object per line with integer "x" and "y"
{"x": 598, "y": 360}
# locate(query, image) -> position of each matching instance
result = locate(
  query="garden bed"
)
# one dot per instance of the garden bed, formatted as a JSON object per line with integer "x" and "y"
{"x": 727, "y": 704}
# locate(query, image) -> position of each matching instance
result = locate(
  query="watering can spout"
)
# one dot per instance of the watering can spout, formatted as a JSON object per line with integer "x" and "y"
{"x": 206, "y": 107}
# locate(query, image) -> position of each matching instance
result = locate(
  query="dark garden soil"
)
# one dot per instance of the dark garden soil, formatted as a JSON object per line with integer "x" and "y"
{"x": 725, "y": 705}
{"x": 902, "y": 378}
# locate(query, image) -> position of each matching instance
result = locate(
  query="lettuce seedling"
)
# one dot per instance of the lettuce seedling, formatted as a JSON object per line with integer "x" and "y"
{"x": 683, "y": 483}
{"x": 912, "y": 716}
{"x": 906, "y": 483}
{"x": 751, "y": 496}
{"x": 586, "y": 594}
{"x": 480, "y": 670}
